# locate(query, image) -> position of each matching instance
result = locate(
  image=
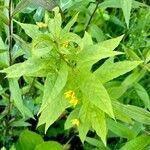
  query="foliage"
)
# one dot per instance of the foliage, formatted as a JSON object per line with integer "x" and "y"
{"x": 74, "y": 68}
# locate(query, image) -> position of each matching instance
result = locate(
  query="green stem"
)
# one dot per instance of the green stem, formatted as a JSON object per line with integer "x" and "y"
{"x": 92, "y": 15}
{"x": 10, "y": 31}
{"x": 10, "y": 27}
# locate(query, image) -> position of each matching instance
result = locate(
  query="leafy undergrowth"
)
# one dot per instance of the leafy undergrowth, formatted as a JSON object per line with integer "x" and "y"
{"x": 74, "y": 75}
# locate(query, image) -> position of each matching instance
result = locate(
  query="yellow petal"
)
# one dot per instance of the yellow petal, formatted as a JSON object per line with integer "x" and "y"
{"x": 69, "y": 93}
{"x": 65, "y": 44}
{"x": 75, "y": 122}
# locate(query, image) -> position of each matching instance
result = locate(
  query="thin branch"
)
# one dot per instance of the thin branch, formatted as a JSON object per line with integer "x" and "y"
{"x": 10, "y": 32}
{"x": 92, "y": 15}
{"x": 65, "y": 145}
{"x": 10, "y": 26}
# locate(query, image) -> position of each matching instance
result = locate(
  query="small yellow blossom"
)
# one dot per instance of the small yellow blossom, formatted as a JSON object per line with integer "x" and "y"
{"x": 69, "y": 93}
{"x": 42, "y": 25}
{"x": 45, "y": 25}
{"x": 73, "y": 101}
{"x": 72, "y": 98}
{"x": 65, "y": 44}
{"x": 75, "y": 122}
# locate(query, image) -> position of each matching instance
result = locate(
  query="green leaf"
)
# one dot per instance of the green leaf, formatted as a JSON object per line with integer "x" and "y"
{"x": 120, "y": 115}
{"x": 147, "y": 57}
{"x": 54, "y": 24}
{"x": 96, "y": 143}
{"x": 87, "y": 40}
{"x": 94, "y": 90}
{"x": 21, "y": 6}
{"x": 142, "y": 93}
{"x": 48, "y": 117}
{"x": 73, "y": 115}
{"x": 89, "y": 116}
{"x": 66, "y": 4}
{"x": 23, "y": 45}
{"x": 4, "y": 61}
{"x": 31, "y": 67}
{"x": 137, "y": 4}
{"x": 120, "y": 129}
{"x": 28, "y": 140}
{"x": 134, "y": 77}
{"x": 54, "y": 84}
{"x": 49, "y": 4}
{"x": 116, "y": 91}
{"x": 118, "y": 4}
{"x": 111, "y": 44}
{"x": 99, "y": 124}
{"x": 53, "y": 99}
{"x": 131, "y": 54}
{"x": 134, "y": 112}
{"x": 85, "y": 120}
{"x": 117, "y": 21}
{"x": 42, "y": 45}
{"x": 37, "y": 84}
{"x": 110, "y": 4}
{"x": 90, "y": 54}
{"x": 50, "y": 145}
{"x": 13, "y": 147}
{"x": 16, "y": 96}
{"x": 147, "y": 66}
{"x": 3, "y": 148}
{"x": 20, "y": 123}
{"x": 126, "y": 7}
{"x": 138, "y": 143}
{"x": 3, "y": 18}
{"x": 96, "y": 32}
{"x": 30, "y": 29}
{"x": 70, "y": 23}
{"x": 117, "y": 69}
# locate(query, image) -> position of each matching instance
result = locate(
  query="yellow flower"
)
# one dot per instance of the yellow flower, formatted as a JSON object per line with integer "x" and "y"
{"x": 75, "y": 122}
{"x": 72, "y": 98}
{"x": 41, "y": 25}
{"x": 65, "y": 44}
{"x": 69, "y": 93}
{"x": 73, "y": 101}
